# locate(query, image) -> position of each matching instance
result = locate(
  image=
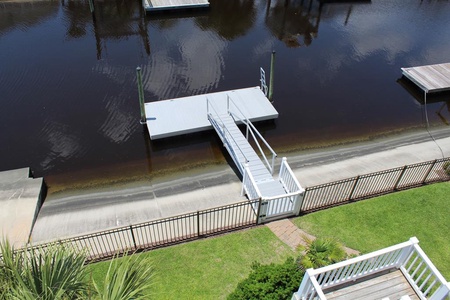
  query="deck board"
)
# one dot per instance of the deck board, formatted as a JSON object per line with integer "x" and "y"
{"x": 391, "y": 285}
{"x": 185, "y": 115}
{"x": 430, "y": 78}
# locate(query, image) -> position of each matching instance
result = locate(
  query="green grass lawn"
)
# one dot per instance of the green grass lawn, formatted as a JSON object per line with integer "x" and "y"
{"x": 210, "y": 268}
{"x": 391, "y": 219}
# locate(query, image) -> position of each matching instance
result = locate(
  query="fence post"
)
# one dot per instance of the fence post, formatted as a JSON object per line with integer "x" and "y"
{"x": 429, "y": 171}
{"x": 298, "y": 203}
{"x": 259, "y": 210}
{"x": 400, "y": 177}
{"x": 353, "y": 189}
{"x": 132, "y": 235}
{"x": 198, "y": 223}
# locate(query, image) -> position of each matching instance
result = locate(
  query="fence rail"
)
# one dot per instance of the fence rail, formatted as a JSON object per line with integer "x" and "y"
{"x": 373, "y": 184}
{"x": 195, "y": 225}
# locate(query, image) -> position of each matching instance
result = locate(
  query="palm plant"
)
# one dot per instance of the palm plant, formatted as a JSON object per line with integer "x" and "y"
{"x": 127, "y": 278}
{"x": 59, "y": 272}
{"x": 56, "y": 272}
{"x": 321, "y": 252}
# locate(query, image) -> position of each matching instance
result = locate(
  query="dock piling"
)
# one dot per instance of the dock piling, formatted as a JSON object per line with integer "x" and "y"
{"x": 141, "y": 95}
{"x": 272, "y": 64}
{"x": 91, "y": 6}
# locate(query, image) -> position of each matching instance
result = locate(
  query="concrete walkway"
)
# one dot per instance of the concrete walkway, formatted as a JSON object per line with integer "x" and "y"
{"x": 74, "y": 215}
{"x": 294, "y": 237}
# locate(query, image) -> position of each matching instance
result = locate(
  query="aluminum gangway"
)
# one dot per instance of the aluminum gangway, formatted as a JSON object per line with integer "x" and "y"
{"x": 281, "y": 195}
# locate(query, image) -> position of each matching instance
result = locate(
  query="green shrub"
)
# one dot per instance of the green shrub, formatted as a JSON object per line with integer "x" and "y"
{"x": 274, "y": 281}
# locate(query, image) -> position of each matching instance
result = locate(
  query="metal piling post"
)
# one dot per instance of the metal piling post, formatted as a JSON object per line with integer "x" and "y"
{"x": 272, "y": 64}
{"x": 141, "y": 95}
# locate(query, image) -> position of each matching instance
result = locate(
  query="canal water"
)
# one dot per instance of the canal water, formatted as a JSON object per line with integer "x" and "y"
{"x": 68, "y": 92}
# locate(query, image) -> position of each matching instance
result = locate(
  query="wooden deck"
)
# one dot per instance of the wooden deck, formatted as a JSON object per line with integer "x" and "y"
{"x": 179, "y": 116}
{"x": 391, "y": 286}
{"x": 431, "y": 78}
{"x": 158, "y": 5}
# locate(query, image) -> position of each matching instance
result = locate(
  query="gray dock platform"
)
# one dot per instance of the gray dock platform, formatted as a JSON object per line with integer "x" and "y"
{"x": 179, "y": 116}
{"x": 430, "y": 78}
{"x": 160, "y": 5}
{"x": 20, "y": 201}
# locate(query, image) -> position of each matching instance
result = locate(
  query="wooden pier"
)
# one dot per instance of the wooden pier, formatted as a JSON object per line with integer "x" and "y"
{"x": 430, "y": 78}
{"x": 161, "y": 5}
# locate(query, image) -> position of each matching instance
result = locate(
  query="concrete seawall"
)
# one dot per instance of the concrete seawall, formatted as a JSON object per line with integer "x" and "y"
{"x": 20, "y": 201}
{"x": 105, "y": 209}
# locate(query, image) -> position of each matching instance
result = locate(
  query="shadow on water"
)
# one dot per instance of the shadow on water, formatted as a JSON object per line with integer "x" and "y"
{"x": 442, "y": 111}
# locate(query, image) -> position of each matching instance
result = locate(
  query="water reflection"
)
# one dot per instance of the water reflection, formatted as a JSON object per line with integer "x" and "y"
{"x": 23, "y": 15}
{"x": 440, "y": 101}
{"x": 229, "y": 19}
{"x": 290, "y": 20}
{"x": 111, "y": 20}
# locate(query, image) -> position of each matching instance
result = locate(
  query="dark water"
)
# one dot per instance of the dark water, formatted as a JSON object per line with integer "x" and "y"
{"x": 68, "y": 95}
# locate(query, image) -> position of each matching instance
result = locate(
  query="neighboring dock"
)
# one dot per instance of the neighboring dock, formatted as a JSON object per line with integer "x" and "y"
{"x": 430, "y": 78}
{"x": 20, "y": 201}
{"x": 161, "y": 5}
{"x": 174, "y": 117}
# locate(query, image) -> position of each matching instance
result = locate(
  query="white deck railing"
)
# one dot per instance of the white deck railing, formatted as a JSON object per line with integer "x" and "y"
{"x": 249, "y": 185}
{"x": 408, "y": 257}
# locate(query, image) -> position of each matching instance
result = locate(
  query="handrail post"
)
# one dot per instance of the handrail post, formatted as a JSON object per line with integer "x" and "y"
{"x": 244, "y": 177}
{"x": 273, "y": 163}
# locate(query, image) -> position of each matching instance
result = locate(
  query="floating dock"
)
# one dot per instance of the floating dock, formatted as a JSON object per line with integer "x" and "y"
{"x": 179, "y": 116}
{"x": 160, "y": 5}
{"x": 430, "y": 78}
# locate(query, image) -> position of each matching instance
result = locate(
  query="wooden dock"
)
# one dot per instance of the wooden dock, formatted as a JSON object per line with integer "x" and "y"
{"x": 430, "y": 78}
{"x": 161, "y": 5}
{"x": 179, "y": 116}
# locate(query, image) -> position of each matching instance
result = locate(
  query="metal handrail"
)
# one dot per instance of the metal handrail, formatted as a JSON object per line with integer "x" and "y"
{"x": 253, "y": 130}
{"x": 209, "y": 104}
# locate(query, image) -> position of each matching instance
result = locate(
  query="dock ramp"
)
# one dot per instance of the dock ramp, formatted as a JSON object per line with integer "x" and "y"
{"x": 281, "y": 195}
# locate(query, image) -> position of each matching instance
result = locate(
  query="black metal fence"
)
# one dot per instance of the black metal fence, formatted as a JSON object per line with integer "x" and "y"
{"x": 164, "y": 232}
{"x": 191, "y": 226}
{"x": 373, "y": 184}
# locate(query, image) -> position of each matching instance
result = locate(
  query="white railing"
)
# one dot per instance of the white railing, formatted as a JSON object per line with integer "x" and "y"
{"x": 288, "y": 179}
{"x": 250, "y": 128}
{"x": 226, "y": 136}
{"x": 249, "y": 185}
{"x": 408, "y": 257}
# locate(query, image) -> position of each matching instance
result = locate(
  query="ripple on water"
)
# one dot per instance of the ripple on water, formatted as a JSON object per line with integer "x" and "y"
{"x": 63, "y": 144}
{"x": 196, "y": 68}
